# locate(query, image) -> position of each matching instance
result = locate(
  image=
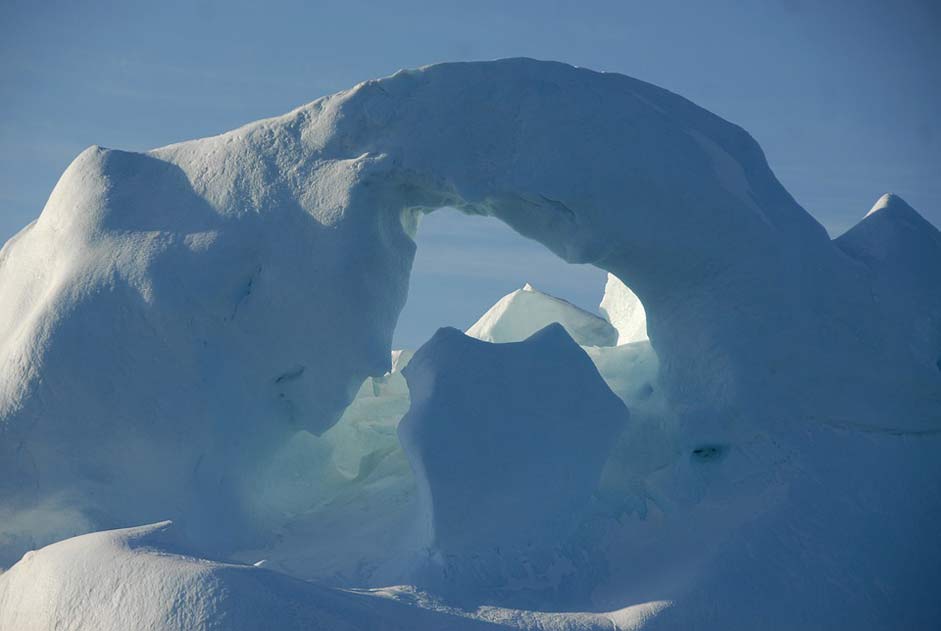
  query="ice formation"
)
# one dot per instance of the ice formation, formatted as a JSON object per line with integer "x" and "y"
{"x": 902, "y": 252}
{"x": 521, "y": 313}
{"x": 624, "y": 311}
{"x": 181, "y": 331}
{"x": 507, "y": 442}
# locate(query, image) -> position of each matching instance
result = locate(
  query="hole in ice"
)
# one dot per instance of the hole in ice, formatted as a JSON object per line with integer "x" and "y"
{"x": 246, "y": 292}
{"x": 352, "y": 489}
{"x": 466, "y": 263}
{"x": 290, "y": 375}
{"x": 708, "y": 453}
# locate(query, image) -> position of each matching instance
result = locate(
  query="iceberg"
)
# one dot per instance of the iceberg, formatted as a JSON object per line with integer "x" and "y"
{"x": 202, "y": 333}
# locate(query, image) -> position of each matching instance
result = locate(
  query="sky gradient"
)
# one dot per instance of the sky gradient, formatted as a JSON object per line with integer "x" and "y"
{"x": 843, "y": 96}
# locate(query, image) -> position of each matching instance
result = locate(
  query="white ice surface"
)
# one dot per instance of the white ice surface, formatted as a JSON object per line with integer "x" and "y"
{"x": 140, "y": 579}
{"x": 624, "y": 311}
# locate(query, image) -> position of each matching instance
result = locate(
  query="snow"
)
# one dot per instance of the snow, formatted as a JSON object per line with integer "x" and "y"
{"x": 140, "y": 578}
{"x": 893, "y": 202}
{"x": 521, "y": 313}
{"x": 202, "y": 333}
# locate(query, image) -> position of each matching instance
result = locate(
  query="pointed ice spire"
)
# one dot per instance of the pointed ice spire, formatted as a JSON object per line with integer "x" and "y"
{"x": 895, "y": 205}
{"x": 884, "y": 202}
{"x": 891, "y": 225}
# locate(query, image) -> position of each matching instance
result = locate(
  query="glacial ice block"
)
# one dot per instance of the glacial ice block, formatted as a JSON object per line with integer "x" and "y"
{"x": 521, "y": 313}
{"x": 174, "y": 317}
{"x": 507, "y": 441}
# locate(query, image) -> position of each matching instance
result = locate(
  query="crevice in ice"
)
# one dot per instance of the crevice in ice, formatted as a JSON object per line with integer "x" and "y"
{"x": 246, "y": 292}
{"x": 291, "y": 375}
{"x": 709, "y": 453}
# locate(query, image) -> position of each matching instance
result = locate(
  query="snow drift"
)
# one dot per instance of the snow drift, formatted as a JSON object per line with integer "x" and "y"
{"x": 180, "y": 327}
{"x": 142, "y": 579}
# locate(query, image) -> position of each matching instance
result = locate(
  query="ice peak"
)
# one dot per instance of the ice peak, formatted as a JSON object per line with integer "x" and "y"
{"x": 521, "y": 313}
{"x": 892, "y": 202}
{"x": 892, "y": 210}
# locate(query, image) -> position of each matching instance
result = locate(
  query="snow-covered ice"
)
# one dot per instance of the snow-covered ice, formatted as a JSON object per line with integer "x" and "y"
{"x": 202, "y": 333}
{"x": 141, "y": 578}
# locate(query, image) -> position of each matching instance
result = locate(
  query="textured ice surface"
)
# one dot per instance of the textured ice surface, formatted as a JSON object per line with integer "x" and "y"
{"x": 180, "y": 330}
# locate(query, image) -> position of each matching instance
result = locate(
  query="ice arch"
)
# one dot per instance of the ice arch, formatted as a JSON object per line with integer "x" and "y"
{"x": 172, "y": 316}
{"x": 464, "y": 264}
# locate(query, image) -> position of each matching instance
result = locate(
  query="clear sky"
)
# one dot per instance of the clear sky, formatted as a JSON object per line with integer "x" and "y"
{"x": 844, "y": 96}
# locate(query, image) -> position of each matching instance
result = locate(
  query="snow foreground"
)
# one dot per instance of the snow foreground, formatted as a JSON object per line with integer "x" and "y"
{"x": 202, "y": 333}
{"x": 143, "y": 580}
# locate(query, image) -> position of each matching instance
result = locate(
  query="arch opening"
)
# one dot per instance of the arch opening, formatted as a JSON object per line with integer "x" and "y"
{"x": 477, "y": 274}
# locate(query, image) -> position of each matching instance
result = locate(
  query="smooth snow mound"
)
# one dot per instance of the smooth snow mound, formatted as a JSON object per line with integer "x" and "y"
{"x": 140, "y": 579}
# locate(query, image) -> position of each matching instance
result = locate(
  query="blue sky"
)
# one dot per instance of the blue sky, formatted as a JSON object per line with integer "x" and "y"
{"x": 844, "y": 97}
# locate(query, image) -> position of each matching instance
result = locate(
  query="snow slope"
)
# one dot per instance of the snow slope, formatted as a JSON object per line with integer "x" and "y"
{"x": 180, "y": 328}
{"x": 139, "y": 578}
